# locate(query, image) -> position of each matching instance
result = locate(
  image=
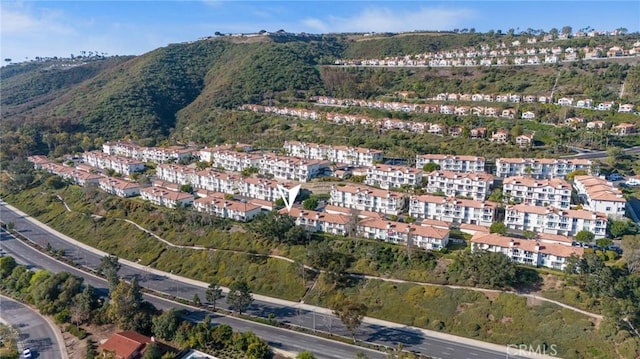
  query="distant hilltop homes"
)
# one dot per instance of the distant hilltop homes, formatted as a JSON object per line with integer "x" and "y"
{"x": 514, "y": 53}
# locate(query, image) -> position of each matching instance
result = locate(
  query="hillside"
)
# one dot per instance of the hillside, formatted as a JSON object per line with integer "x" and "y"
{"x": 186, "y": 86}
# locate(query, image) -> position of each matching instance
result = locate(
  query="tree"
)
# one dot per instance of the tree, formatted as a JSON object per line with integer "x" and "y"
{"x": 310, "y": 203}
{"x": 109, "y": 267}
{"x": 166, "y": 325}
{"x": 604, "y": 242}
{"x": 498, "y": 227}
{"x": 430, "y": 167}
{"x": 585, "y": 236}
{"x": 152, "y": 351}
{"x": 566, "y": 30}
{"x": 496, "y": 195}
{"x": 126, "y": 302}
{"x": 351, "y": 315}
{"x": 618, "y": 228}
{"x": 188, "y": 188}
{"x": 479, "y": 268}
{"x": 7, "y": 264}
{"x": 239, "y": 296}
{"x": 213, "y": 293}
{"x": 84, "y": 304}
{"x": 54, "y": 182}
{"x": 614, "y": 155}
{"x": 196, "y": 299}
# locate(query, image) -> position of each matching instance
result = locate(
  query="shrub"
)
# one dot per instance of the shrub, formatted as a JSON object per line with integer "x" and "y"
{"x": 77, "y": 331}
{"x": 62, "y": 317}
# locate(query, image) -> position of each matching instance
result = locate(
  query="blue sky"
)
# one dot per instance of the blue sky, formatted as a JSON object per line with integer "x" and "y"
{"x": 60, "y": 28}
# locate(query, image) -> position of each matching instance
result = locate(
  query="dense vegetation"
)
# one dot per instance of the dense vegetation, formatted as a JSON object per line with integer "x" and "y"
{"x": 75, "y": 304}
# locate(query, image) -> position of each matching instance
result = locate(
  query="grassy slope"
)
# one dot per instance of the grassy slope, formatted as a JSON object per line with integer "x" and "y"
{"x": 502, "y": 319}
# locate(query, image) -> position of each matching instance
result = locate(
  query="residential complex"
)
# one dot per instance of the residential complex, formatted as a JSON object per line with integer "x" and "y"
{"x": 235, "y": 210}
{"x": 541, "y": 252}
{"x": 452, "y": 162}
{"x": 598, "y": 195}
{"x": 452, "y": 210}
{"x": 555, "y": 192}
{"x": 353, "y": 156}
{"x": 122, "y": 165}
{"x": 426, "y": 237}
{"x": 166, "y": 197}
{"x": 119, "y": 187}
{"x": 363, "y": 198}
{"x": 472, "y": 185}
{"x": 554, "y": 220}
{"x": 315, "y": 221}
{"x": 148, "y": 154}
{"x": 540, "y": 167}
{"x": 72, "y": 174}
{"x": 387, "y": 177}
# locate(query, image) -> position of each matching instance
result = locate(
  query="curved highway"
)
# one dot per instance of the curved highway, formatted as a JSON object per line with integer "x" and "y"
{"x": 412, "y": 339}
{"x": 35, "y": 331}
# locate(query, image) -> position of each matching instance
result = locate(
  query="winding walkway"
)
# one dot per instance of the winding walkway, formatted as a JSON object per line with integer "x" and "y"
{"x": 595, "y": 316}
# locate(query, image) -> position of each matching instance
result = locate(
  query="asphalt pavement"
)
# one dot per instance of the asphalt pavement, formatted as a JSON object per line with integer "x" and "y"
{"x": 35, "y": 331}
{"x": 412, "y": 339}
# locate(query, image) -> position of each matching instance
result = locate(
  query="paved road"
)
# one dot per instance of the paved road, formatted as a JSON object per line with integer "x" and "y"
{"x": 411, "y": 338}
{"x": 35, "y": 332}
{"x": 601, "y": 154}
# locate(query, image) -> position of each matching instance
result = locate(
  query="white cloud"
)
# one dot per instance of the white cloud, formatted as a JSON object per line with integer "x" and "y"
{"x": 392, "y": 20}
{"x": 20, "y": 21}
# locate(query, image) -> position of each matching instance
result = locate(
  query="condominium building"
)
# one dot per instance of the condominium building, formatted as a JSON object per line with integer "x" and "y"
{"x": 599, "y": 195}
{"x": 38, "y": 161}
{"x": 123, "y": 148}
{"x": 179, "y": 174}
{"x": 220, "y": 207}
{"x": 540, "y": 167}
{"x": 291, "y": 168}
{"x": 207, "y": 154}
{"x": 452, "y": 210}
{"x": 452, "y": 162}
{"x": 386, "y": 176}
{"x": 426, "y": 237}
{"x": 525, "y": 251}
{"x": 314, "y": 221}
{"x": 363, "y": 198}
{"x": 555, "y": 192}
{"x": 353, "y": 156}
{"x": 167, "y": 154}
{"x": 474, "y": 185}
{"x": 165, "y": 197}
{"x": 235, "y": 161}
{"x": 259, "y": 188}
{"x": 212, "y": 180}
{"x": 148, "y": 154}
{"x": 72, "y": 174}
{"x": 554, "y": 220}
{"x": 119, "y": 187}
{"x": 122, "y": 165}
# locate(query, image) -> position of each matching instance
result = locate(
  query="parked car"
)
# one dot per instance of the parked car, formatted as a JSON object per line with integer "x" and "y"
{"x": 615, "y": 177}
{"x": 615, "y": 248}
{"x": 27, "y": 353}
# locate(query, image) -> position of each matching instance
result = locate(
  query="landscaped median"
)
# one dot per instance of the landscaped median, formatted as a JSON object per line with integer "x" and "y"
{"x": 500, "y": 318}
